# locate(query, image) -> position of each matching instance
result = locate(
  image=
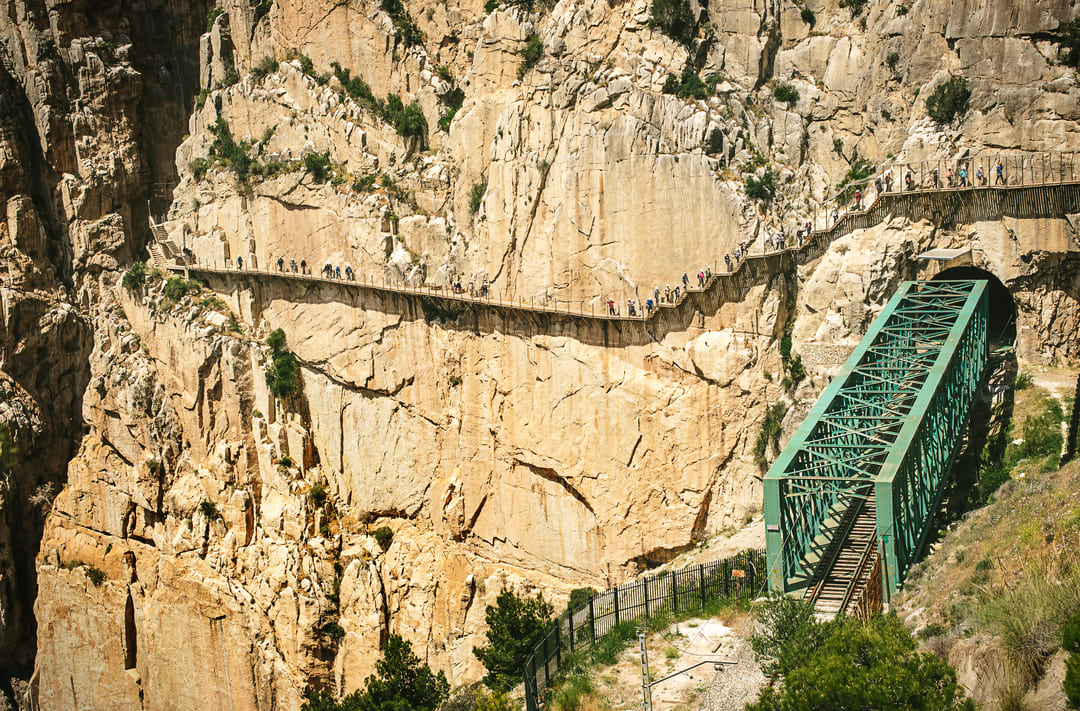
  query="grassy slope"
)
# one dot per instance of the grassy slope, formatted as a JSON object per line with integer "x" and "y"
{"x": 995, "y": 593}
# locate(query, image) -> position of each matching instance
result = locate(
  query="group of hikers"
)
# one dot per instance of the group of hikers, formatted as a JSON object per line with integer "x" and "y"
{"x": 777, "y": 240}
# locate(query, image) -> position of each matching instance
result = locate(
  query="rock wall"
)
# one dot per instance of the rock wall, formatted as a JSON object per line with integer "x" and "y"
{"x": 206, "y": 525}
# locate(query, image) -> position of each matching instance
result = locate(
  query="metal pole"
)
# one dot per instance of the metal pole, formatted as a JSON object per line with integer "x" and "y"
{"x": 646, "y": 690}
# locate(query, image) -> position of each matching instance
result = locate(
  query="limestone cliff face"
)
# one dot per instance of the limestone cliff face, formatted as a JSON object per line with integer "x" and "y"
{"x": 82, "y": 139}
{"x": 207, "y": 525}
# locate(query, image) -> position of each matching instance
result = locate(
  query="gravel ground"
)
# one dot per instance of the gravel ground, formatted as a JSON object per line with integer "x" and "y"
{"x": 736, "y": 686}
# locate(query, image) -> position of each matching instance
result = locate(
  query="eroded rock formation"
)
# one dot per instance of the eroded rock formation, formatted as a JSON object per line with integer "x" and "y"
{"x": 203, "y": 524}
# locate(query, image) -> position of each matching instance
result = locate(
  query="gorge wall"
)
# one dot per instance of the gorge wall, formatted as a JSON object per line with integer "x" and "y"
{"x": 200, "y": 523}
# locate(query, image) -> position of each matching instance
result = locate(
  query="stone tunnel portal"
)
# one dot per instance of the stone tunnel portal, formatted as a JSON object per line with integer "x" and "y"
{"x": 1002, "y": 325}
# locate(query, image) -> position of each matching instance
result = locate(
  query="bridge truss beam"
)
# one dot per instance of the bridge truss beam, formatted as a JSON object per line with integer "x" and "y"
{"x": 887, "y": 426}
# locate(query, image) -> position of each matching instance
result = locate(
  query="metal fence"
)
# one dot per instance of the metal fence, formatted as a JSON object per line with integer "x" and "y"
{"x": 666, "y": 593}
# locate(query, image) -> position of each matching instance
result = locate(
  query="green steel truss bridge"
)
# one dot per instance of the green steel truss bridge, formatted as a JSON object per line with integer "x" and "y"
{"x": 877, "y": 448}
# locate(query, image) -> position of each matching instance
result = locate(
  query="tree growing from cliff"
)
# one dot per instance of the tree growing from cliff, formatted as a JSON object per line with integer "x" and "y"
{"x": 949, "y": 100}
{"x": 283, "y": 374}
{"x": 515, "y": 626}
{"x": 400, "y": 683}
{"x": 675, "y": 19}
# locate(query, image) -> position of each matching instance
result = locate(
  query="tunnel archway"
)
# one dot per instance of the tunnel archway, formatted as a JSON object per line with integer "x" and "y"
{"x": 1002, "y": 317}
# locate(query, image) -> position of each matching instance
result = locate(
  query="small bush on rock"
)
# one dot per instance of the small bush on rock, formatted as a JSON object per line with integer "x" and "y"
{"x": 283, "y": 374}
{"x": 134, "y": 277}
{"x": 949, "y": 101}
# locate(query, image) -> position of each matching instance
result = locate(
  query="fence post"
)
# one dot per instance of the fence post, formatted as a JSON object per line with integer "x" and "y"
{"x": 701, "y": 581}
{"x": 645, "y": 581}
{"x": 571, "y": 615}
{"x": 558, "y": 645}
{"x": 592, "y": 622}
{"x": 616, "y": 604}
{"x": 674, "y": 591}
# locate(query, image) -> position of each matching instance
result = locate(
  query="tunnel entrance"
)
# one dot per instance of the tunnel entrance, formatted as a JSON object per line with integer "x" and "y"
{"x": 1002, "y": 318}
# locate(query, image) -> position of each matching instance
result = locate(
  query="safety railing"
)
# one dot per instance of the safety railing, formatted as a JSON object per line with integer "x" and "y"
{"x": 675, "y": 591}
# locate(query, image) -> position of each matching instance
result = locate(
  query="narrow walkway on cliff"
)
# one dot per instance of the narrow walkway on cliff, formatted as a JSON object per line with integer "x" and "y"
{"x": 958, "y": 191}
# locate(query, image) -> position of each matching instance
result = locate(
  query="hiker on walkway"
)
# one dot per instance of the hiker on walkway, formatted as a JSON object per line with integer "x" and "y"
{"x": 877, "y": 184}
{"x": 630, "y": 308}
{"x": 949, "y": 176}
{"x": 708, "y": 273}
{"x": 685, "y": 282}
{"x": 471, "y": 292}
{"x": 648, "y": 306}
{"x": 292, "y": 266}
{"x": 937, "y": 179}
{"x": 337, "y": 272}
{"x": 980, "y": 179}
{"x": 349, "y": 273}
{"x": 303, "y": 266}
{"x": 1000, "y": 170}
{"x": 239, "y": 263}
{"x": 667, "y": 293}
{"x": 858, "y": 199}
{"x": 656, "y": 295}
{"x": 281, "y": 264}
{"x": 611, "y": 307}
{"x": 484, "y": 289}
{"x": 888, "y": 182}
{"x": 701, "y": 280}
{"x": 909, "y": 181}
{"x": 963, "y": 177}
{"x": 675, "y": 296}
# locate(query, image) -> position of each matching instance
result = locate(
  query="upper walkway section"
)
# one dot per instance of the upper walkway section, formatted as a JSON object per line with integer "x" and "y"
{"x": 1030, "y": 186}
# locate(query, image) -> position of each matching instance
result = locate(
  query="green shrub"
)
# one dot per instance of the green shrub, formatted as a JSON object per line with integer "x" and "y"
{"x": 769, "y": 435}
{"x": 318, "y": 164}
{"x": 675, "y": 19}
{"x": 856, "y": 6}
{"x": 404, "y": 27}
{"x": 1023, "y": 381}
{"x": 569, "y": 695}
{"x": 447, "y": 118}
{"x": 214, "y": 14}
{"x": 787, "y": 631}
{"x": 490, "y": 6}
{"x": 177, "y": 288}
{"x": 283, "y": 373}
{"x": 1071, "y": 643}
{"x": 762, "y": 188}
{"x": 383, "y": 536}
{"x": 198, "y": 167}
{"x": 201, "y": 98}
{"x": 1068, "y": 38}
{"x": 1031, "y": 616}
{"x": 515, "y": 626}
{"x": 134, "y": 277}
{"x": 210, "y": 510}
{"x": 786, "y": 93}
{"x": 580, "y": 597}
{"x": 235, "y": 156}
{"x": 333, "y": 631}
{"x": 808, "y": 17}
{"x": 901, "y": 10}
{"x": 476, "y": 197}
{"x": 862, "y": 666}
{"x": 530, "y": 54}
{"x": 316, "y": 495}
{"x": 411, "y": 123}
{"x": 687, "y": 86}
{"x": 949, "y": 101}
{"x": 891, "y": 60}
{"x": 267, "y": 65}
{"x": 96, "y": 576}
{"x": 262, "y": 8}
